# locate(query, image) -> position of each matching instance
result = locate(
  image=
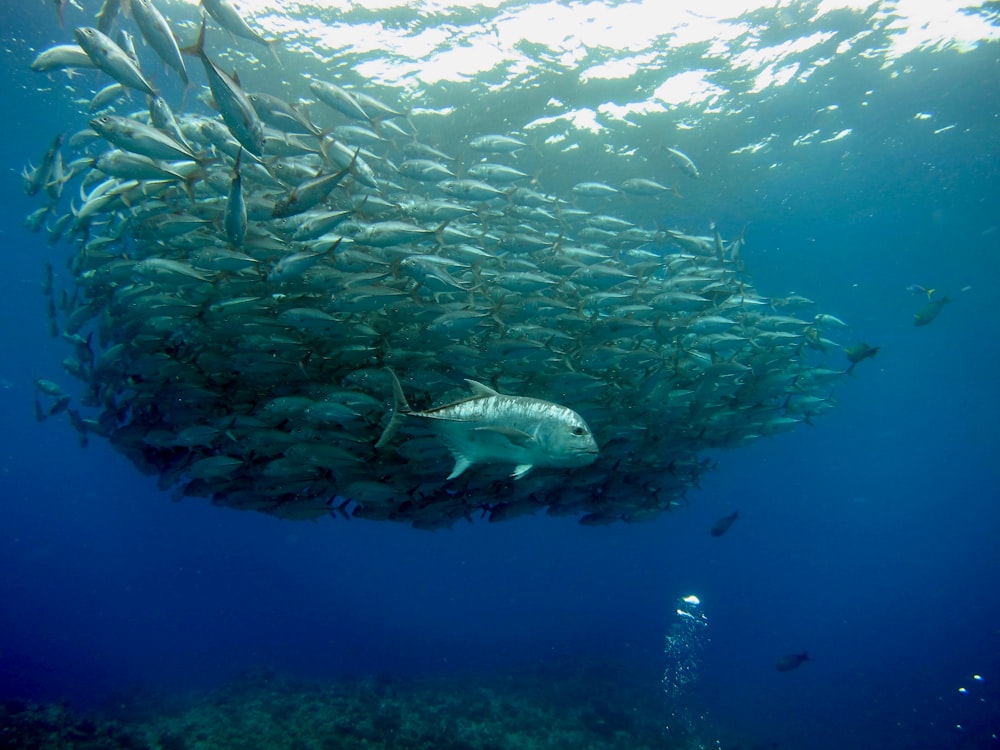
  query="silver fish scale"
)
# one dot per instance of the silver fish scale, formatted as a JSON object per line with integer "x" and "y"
{"x": 522, "y": 413}
{"x": 256, "y": 376}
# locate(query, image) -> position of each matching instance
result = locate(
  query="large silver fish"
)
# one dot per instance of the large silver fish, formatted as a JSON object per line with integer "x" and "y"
{"x": 489, "y": 427}
{"x": 236, "y": 110}
{"x": 110, "y": 58}
{"x": 140, "y": 138}
{"x": 156, "y": 31}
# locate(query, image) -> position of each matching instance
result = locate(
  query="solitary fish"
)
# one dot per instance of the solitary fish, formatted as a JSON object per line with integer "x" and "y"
{"x": 721, "y": 526}
{"x": 928, "y": 312}
{"x": 489, "y": 427}
{"x": 791, "y": 661}
{"x": 859, "y": 352}
{"x": 917, "y": 289}
{"x": 683, "y": 161}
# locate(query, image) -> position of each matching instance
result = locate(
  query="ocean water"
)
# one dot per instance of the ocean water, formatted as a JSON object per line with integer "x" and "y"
{"x": 857, "y": 150}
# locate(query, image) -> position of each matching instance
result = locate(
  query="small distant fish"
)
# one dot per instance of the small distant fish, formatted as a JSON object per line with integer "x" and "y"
{"x": 721, "y": 526}
{"x": 595, "y": 189}
{"x": 859, "y": 352}
{"x": 928, "y": 312}
{"x": 108, "y": 14}
{"x": 235, "y": 217}
{"x": 642, "y": 186}
{"x": 917, "y": 289}
{"x": 60, "y": 7}
{"x": 230, "y": 19}
{"x": 683, "y": 161}
{"x": 497, "y": 144}
{"x": 791, "y": 661}
{"x": 489, "y": 427}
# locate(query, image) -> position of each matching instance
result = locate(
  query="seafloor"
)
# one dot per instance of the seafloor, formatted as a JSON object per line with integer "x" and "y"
{"x": 573, "y": 706}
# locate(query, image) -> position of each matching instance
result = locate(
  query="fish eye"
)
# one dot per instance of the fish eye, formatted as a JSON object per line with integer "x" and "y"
{"x": 578, "y": 431}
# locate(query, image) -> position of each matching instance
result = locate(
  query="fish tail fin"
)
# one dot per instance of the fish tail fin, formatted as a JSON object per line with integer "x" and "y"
{"x": 400, "y": 408}
{"x": 340, "y": 509}
{"x": 198, "y": 48}
{"x": 439, "y": 232}
{"x": 307, "y": 122}
{"x": 271, "y": 45}
{"x": 930, "y": 292}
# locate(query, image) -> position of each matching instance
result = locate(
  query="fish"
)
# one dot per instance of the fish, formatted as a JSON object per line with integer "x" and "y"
{"x": 61, "y": 57}
{"x": 108, "y": 14}
{"x": 310, "y": 193}
{"x": 791, "y": 661}
{"x": 721, "y": 526}
{"x": 595, "y": 189}
{"x": 917, "y": 289}
{"x": 138, "y": 138}
{"x": 219, "y": 302}
{"x": 60, "y": 7}
{"x": 112, "y": 59}
{"x": 230, "y": 19}
{"x": 38, "y": 177}
{"x": 339, "y": 99}
{"x": 235, "y": 219}
{"x": 106, "y": 96}
{"x": 234, "y": 106}
{"x": 278, "y": 113}
{"x": 156, "y": 31}
{"x": 859, "y": 352}
{"x": 929, "y": 312}
{"x": 489, "y": 427}
{"x": 497, "y": 144}
{"x": 683, "y": 161}
{"x": 643, "y": 186}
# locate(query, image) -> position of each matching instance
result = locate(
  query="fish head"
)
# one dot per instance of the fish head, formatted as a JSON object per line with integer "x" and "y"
{"x": 84, "y": 35}
{"x": 567, "y": 440}
{"x": 103, "y": 124}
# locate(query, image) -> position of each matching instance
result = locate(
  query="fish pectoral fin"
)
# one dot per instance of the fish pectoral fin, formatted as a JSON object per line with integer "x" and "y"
{"x": 461, "y": 464}
{"x": 515, "y": 436}
{"x": 480, "y": 389}
{"x": 521, "y": 469}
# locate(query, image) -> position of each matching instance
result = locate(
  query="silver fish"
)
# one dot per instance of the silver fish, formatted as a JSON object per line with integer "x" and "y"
{"x": 138, "y": 138}
{"x": 235, "y": 220}
{"x": 112, "y": 59}
{"x": 683, "y": 161}
{"x": 230, "y": 19}
{"x": 237, "y": 111}
{"x": 156, "y": 31}
{"x": 489, "y": 427}
{"x": 62, "y": 56}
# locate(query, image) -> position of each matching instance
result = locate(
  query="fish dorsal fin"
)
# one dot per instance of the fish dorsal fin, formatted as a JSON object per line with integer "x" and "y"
{"x": 515, "y": 436}
{"x": 521, "y": 469}
{"x": 479, "y": 389}
{"x": 461, "y": 464}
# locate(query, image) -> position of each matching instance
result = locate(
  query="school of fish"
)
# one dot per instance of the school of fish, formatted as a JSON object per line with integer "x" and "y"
{"x": 255, "y": 285}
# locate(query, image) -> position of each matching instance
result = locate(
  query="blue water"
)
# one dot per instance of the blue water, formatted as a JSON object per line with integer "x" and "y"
{"x": 868, "y": 539}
